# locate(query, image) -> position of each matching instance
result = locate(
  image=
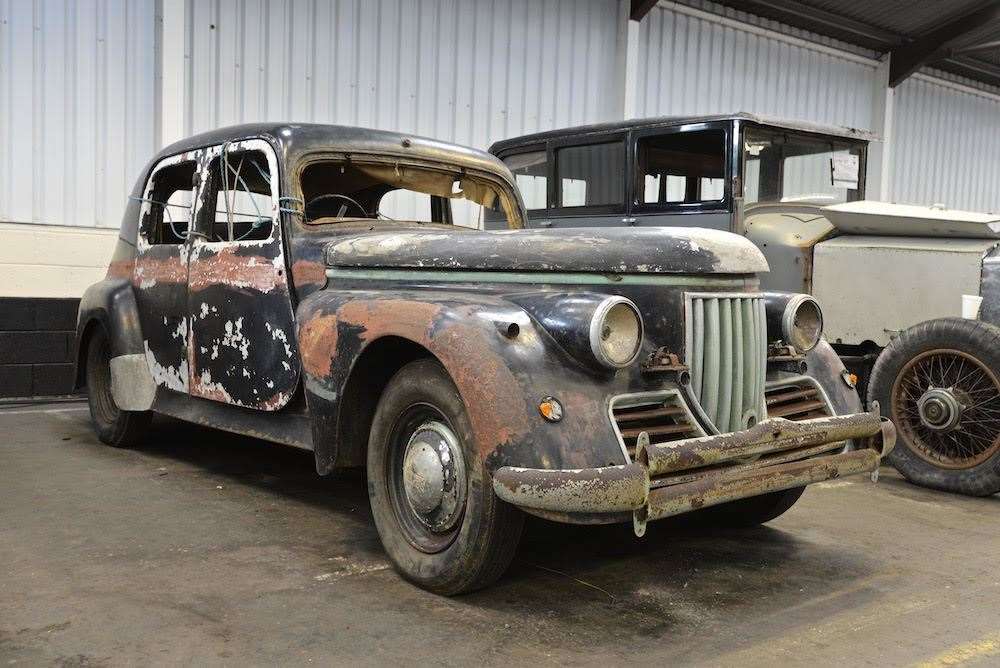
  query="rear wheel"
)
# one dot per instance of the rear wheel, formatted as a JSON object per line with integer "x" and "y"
{"x": 113, "y": 426}
{"x": 431, "y": 497}
{"x": 939, "y": 384}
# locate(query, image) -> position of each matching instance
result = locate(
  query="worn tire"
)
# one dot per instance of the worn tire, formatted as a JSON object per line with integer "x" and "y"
{"x": 113, "y": 426}
{"x": 977, "y": 339}
{"x": 751, "y": 512}
{"x": 485, "y": 537}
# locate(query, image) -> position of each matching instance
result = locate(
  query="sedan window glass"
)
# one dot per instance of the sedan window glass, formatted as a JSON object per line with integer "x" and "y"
{"x": 682, "y": 167}
{"x": 591, "y": 175}
{"x": 531, "y": 175}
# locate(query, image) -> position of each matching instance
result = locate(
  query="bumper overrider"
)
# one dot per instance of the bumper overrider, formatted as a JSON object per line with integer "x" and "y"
{"x": 680, "y": 476}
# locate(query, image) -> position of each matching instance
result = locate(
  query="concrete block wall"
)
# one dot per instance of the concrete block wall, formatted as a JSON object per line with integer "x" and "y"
{"x": 37, "y": 344}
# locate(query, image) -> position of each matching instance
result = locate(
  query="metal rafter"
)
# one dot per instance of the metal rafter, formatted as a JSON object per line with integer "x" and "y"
{"x": 940, "y": 43}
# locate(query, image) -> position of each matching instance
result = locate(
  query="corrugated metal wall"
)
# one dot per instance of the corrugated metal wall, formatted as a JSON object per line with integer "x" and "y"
{"x": 947, "y": 146}
{"x": 689, "y": 64}
{"x": 77, "y": 107}
{"x": 468, "y": 71}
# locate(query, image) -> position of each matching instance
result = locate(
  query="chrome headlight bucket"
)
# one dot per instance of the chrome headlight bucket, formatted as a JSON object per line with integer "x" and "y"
{"x": 795, "y": 319}
{"x": 616, "y": 332}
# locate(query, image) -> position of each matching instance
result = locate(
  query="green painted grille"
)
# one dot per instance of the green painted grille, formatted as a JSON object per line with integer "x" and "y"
{"x": 727, "y": 354}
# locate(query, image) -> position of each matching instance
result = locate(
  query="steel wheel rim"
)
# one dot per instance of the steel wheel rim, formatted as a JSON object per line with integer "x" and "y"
{"x": 976, "y": 434}
{"x": 420, "y": 529}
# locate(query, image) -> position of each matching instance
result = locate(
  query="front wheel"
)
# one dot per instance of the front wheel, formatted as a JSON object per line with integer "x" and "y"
{"x": 939, "y": 384}
{"x": 113, "y": 426}
{"x": 431, "y": 497}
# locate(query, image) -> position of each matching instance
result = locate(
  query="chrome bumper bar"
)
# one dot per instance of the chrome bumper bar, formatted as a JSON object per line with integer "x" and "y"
{"x": 677, "y": 477}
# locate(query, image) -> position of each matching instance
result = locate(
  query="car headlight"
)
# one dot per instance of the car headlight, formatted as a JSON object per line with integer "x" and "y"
{"x": 802, "y": 323}
{"x": 616, "y": 332}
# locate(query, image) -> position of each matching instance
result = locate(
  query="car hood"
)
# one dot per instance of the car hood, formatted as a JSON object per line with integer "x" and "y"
{"x": 652, "y": 250}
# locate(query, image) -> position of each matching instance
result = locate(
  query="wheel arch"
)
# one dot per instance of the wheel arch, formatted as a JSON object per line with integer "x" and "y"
{"x": 109, "y": 304}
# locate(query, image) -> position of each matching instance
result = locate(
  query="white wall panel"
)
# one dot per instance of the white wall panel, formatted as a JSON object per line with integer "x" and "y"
{"x": 77, "y": 112}
{"x": 693, "y": 64}
{"x": 468, "y": 71}
{"x": 947, "y": 146}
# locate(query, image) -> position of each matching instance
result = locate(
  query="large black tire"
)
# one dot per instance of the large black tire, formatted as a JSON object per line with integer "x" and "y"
{"x": 955, "y": 353}
{"x": 477, "y": 546}
{"x": 113, "y": 426}
{"x": 750, "y": 512}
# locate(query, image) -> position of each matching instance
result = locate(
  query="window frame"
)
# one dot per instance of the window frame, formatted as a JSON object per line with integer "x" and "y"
{"x": 861, "y": 144}
{"x": 709, "y": 206}
{"x": 204, "y": 219}
{"x": 533, "y": 148}
{"x": 555, "y": 183}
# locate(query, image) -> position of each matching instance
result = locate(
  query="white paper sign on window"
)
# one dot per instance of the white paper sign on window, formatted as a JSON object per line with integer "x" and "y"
{"x": 845, "y": 170}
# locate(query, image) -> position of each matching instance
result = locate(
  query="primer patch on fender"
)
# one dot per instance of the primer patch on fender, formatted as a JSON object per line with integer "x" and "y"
{"x": 132, "y": 385}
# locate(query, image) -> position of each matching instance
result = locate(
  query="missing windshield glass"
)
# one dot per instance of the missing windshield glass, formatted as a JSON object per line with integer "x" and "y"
{"x": 338, "y": 191}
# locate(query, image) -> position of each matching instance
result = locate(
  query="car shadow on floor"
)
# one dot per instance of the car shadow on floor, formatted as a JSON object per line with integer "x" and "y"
{"x": 679, "y": 578}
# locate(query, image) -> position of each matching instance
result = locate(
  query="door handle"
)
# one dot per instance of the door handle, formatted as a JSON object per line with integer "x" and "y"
{"x": 544, "y": 223}
{"x": 628, "y": 221}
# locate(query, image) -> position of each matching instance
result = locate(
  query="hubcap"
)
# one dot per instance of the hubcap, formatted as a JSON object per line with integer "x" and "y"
{"x": 940, "y": 409}
{"x": 434, "y": 476}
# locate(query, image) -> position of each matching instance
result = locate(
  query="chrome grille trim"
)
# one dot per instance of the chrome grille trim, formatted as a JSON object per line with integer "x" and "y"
{"x": 671, "y": 398}
{"x": 726, "y": 350}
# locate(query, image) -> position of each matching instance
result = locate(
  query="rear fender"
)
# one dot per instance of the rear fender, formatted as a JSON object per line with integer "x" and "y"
{"x": 111, "y": 304}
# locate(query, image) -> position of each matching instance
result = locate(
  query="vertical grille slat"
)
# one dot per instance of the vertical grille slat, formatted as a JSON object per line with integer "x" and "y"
{"x": 737, "y": 410}
{"x": 710, "y": 347}
{"x": 728, "y": 357}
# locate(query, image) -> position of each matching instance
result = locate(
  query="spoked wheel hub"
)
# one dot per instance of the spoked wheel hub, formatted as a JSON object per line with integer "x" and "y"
{"x": 940, "y": 409}
{"x": 946, "y": 403}
{"x": 428, "y": 482}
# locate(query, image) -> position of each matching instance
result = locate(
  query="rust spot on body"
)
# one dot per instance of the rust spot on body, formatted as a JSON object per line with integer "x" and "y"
{"x": 306, "y": 272}
{"x": 318, "y": 345}
{"x": 224, "y": 267}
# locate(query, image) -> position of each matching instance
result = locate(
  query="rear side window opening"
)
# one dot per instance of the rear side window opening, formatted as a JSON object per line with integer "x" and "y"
{"x": 681, "y": 168}
{"x": 339, "y": 191}
{"x": 170, "y": 198}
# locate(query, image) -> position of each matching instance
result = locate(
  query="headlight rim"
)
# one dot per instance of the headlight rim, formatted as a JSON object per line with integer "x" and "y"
{"x": 596, "y": 325}
{"x": 788, "y": 320}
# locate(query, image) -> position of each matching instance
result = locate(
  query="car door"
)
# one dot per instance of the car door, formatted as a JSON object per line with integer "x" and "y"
{"x": 242, "y": 348}
{"x": 161, "y": 268}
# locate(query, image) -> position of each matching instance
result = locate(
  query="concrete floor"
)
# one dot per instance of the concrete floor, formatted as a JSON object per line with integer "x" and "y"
{"x": 207, "y": 548}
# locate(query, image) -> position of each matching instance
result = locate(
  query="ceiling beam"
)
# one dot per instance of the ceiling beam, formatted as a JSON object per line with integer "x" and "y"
{"x": 938, "y": 43}
{"x": 820, "y": 21}
{"x": 640, "y": 8}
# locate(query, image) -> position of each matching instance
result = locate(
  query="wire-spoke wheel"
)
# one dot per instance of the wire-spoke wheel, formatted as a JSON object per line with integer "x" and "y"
{"x": 947, "y": 403}
{"x": 939, "y": 382}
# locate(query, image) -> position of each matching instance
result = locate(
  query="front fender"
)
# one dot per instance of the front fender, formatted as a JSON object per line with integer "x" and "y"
{"x": 111, "y": 304}
{"x": 823, "y": 364}
{"x": 501, "y": 378}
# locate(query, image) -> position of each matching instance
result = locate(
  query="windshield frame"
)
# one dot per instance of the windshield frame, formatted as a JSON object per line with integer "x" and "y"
{"x": 510, "y": 196}
{"x": 838, "y": 142}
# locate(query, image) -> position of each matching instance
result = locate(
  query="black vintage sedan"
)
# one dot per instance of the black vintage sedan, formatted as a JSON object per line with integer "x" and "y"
{"x": 331, "y": 288}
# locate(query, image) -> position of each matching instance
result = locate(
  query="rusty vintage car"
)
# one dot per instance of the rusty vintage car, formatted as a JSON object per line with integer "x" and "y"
{"x": 325, "y": 287}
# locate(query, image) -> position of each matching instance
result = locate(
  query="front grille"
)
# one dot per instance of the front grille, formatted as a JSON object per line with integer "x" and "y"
{"x": 727, "y": 355}
{"x": 801, "y": 400}
{"x": 663, "y": 417}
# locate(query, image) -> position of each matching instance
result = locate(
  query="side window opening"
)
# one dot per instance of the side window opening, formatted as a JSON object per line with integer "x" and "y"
{"x": 239, "y": 206}
{"x": 682, "y": 167}
{"x": 590, "y": 174}
{"x": 531, "y": 176}
{"x": 338, "y": 191}
{"x": 170, "y": 199}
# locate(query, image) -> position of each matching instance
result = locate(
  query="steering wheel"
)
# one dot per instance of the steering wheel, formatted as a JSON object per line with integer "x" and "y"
{"x": 349, "y": 200}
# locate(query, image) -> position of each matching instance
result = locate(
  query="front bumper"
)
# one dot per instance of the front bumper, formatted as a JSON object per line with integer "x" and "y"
{"x": 680, "y": 476}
